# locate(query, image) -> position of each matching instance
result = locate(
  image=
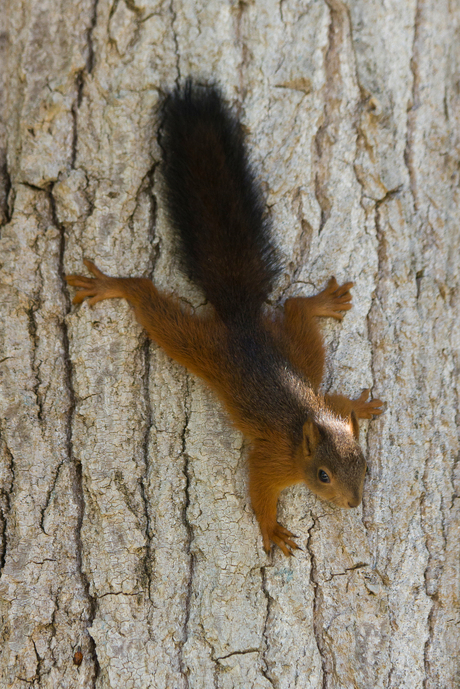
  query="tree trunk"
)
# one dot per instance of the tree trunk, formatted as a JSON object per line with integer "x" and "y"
{"x": 126, "y": 532}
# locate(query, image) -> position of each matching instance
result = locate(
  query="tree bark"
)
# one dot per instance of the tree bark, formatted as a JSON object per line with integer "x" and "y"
{"x": 126, "y": 531}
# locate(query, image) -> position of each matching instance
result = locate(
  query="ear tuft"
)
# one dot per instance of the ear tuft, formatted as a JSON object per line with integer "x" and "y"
{"x": 311, "y": 436}
{"x": 354, "y": 426}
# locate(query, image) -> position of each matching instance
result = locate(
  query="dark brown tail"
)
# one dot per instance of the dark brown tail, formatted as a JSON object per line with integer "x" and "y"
{"x": 214, "y": 202}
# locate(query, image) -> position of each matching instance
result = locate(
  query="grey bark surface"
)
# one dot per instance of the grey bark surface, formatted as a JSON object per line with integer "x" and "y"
{"x": 126, "y": 529}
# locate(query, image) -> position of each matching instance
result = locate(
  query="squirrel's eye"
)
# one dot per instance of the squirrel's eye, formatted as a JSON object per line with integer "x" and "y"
{"x": 323, "y": 477}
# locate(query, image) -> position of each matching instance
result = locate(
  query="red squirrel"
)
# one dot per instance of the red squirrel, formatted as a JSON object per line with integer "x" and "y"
{"x": 266, "y": 368}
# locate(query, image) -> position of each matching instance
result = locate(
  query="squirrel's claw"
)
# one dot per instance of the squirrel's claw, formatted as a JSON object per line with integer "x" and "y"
{"x": 367, "y": 409}
{"x": 92, "y": 267}
{"x": 280, "y": 537}
{"x": 334, "y": 299}
{"x": 96, "y": 288}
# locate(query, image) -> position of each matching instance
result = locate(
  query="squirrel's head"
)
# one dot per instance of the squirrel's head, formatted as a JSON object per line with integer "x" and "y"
{"x": 332, "y": 461}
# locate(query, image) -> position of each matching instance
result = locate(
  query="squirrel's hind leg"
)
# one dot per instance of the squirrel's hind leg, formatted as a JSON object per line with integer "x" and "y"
{"x": 190, "y": 340}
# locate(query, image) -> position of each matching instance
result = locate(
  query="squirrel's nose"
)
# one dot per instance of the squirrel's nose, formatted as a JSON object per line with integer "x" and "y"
{"x": 354, "y": 503}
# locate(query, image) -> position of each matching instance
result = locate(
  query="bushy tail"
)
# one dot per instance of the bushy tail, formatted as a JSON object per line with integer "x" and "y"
{"x": 214, "y": 202}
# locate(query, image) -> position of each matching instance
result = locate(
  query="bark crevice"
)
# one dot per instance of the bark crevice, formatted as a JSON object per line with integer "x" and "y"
{"x": 189, "y": 532}
{"x": 318, "y": 619}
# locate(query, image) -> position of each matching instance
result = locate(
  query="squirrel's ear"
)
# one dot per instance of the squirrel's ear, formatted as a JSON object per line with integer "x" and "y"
{"x": 311, "y": 436}
{"x": 354, "y": 426}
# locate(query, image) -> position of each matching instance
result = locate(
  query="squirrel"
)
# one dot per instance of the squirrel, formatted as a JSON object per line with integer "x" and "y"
{"x": 266, "y": 368}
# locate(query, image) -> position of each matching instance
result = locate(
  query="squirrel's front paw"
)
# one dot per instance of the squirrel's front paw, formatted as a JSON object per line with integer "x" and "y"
{"x": 281, "y": 537}
{"x": 96, "y": 288}
{"x": 366, "y": 410}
